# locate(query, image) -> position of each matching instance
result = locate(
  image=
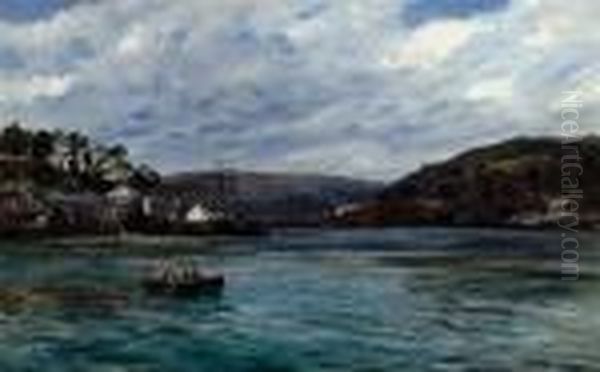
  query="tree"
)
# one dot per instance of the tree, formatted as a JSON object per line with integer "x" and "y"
{"x": 71, "y": 161}
{"x": 145, "y": 178}
{"x": 117, "y": 152}
{"x": 42, "y": 145}
{"x": 15, "y": 140}
{"x": 42, "y": 148}
{"x": 77, "y": 144}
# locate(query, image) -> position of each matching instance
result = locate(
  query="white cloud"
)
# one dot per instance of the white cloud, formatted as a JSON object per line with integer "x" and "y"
{"x": 134, "y": 43}
{"x": 431, "y": 44}
{"x": 550, "y": 28}
{"x": 34, "y": 87}
{"x": 498, "y": 90}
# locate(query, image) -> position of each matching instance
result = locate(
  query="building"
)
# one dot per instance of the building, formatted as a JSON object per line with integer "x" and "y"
{"x": 176, "y": 209}
{"x": 346, "y": 210}
{"x": 200, "y": 213}
{"x": 122, "y": 195}
{"x": 20, "y": 211}
{"x": 82, "y": 213}
{"x": 14, "y": 170}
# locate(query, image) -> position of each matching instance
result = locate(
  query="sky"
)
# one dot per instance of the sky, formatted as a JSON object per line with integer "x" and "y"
{"x": 370, "y": 89}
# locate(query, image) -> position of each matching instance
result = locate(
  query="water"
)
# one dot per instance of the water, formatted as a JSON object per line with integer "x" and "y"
{"x": 390, "y": 300}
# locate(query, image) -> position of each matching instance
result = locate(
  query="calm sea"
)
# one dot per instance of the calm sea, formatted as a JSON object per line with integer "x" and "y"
{"x": 385, "y": 300}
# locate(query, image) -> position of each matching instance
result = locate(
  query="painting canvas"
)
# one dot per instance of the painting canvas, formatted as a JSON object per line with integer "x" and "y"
{"x": 299, "y": 185}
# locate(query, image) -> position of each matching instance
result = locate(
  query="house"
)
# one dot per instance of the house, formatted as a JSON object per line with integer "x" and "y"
{"x": 346, "y": 209}
{"x": 157, "y": 207}
{"x": 122, "y": 195}
{"x": 82, "y": 213}
{"x": 200, "y": 213}
{"x": 178, "y": 209}
{"x": 21, "y": 211}
{"x": 14, "y": 168}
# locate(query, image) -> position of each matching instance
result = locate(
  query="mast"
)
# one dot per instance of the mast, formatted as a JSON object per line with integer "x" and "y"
{"x": 226, "y": 189}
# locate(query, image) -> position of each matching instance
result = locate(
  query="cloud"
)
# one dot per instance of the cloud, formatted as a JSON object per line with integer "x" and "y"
{"x": 496, "y": 89}
{"x": 35, "y": 87}
{"x": 430, "y": 44}
{"x": 370, "y": 89}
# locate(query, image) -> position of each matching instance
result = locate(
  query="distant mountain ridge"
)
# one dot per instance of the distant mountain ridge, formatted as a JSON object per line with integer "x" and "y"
{"x": 277, "y": 199}
{"x": 516, "y": 182}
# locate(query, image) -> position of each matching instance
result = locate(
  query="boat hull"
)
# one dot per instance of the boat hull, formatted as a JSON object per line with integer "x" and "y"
{"x": 209, "y": 285}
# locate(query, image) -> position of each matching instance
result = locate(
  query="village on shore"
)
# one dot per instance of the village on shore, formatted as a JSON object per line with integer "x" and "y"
{"x": 57, "y": 183}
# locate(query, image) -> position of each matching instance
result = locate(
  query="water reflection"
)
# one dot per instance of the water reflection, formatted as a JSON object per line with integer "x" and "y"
{"x": 332, "y": 301}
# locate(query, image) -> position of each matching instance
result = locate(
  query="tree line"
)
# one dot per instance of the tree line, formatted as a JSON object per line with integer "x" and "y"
{"x": 68, "y": 161}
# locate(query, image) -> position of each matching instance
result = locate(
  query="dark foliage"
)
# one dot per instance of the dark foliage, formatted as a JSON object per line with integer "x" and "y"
{"x": 69, "y": 162}
{"x": 491, "y": 185}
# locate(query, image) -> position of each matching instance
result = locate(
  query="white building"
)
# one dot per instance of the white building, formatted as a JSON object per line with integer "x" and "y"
{"x": 346, "y": 209}
{"x": 122, "y": 195}
{"x": 201, "y": 214}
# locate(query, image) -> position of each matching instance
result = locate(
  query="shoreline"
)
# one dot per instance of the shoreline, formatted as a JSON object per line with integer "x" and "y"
{"x": 45, "y": 235}
{"x": 139, "y": 238}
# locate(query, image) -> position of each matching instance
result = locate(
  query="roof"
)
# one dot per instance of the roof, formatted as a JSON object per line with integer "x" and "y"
{"x": 123, "y": 191}
{"x": 74, "y": 199}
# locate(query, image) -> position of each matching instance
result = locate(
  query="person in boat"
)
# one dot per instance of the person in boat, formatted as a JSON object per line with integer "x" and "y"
{"x": 174, "y": 273}
{"x": 190, "y": 274}
{"x": 166, "y": 273}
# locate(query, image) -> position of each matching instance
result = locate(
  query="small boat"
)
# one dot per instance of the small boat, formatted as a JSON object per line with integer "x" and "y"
{"x": 197, "y": 286}
{"x": 184, "y": 282}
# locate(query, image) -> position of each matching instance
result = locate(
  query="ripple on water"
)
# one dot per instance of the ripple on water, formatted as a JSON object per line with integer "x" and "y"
{"x": 332, "y": 309}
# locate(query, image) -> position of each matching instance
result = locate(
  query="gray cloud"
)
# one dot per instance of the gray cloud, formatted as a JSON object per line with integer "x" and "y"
{"x": 345, "y": 87}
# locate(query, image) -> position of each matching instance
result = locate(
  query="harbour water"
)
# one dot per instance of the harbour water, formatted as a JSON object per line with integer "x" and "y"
{"x": 380, "y": 300}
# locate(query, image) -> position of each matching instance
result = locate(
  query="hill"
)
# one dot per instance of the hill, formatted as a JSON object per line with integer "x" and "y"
{"x": 274, "y": 199}
{"x": 518, "y": 182}
{"x": 54, "y": 181}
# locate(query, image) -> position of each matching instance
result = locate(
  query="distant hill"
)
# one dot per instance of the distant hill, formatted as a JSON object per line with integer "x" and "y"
{"x": 517, "y": 182}
{"x": 280, "y": 199}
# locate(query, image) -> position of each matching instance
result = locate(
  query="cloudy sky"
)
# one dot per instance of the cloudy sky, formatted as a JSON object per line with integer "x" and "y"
{"x": 367, "y": 88}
